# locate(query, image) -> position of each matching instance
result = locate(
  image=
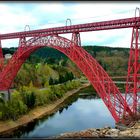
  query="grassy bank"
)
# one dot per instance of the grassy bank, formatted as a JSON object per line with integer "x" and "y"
{"x": 27, "y": 98}
{"x": 8, "y": 126}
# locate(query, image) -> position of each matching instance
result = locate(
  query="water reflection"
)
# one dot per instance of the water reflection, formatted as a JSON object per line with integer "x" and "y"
{"x": 82, "y": 114}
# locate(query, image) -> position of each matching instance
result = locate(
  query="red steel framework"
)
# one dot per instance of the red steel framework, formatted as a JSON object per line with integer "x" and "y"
{"x": 132, "y": 94}
{"x": 1, "y": 57}
{"x": 118, "y": 105}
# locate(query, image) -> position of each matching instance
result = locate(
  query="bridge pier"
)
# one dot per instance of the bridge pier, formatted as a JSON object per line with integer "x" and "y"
{"x": 120, "y": 126}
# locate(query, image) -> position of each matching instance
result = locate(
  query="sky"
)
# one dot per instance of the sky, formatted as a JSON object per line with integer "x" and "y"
{"x": 21, "y": 16}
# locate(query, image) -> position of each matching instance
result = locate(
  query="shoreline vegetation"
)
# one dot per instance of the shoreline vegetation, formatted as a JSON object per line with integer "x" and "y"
{"x": 28, "y": 97}
{"x": 8, "y": 126}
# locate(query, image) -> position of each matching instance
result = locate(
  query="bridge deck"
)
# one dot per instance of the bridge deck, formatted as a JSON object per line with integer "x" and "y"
{"x": 95, "y": 26}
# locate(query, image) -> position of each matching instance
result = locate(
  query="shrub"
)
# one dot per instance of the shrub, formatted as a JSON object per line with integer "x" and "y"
{"x": 28, "y": 96}
{"x": 41, "y": 97}
{"x": 57, "y": 90}
{"x": 0, "y": 115}
{"x": 13, "y": 109}
{"x": 69, "y": 85}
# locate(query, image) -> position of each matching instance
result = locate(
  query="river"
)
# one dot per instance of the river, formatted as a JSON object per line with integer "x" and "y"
{"x": 81, "y": 111}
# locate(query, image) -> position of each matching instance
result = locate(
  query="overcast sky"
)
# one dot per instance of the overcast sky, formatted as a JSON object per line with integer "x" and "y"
{"x": 38, "y": 15}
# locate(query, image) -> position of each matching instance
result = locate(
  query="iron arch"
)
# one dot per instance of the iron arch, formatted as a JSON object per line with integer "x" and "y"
{"x": 99, "y": 79}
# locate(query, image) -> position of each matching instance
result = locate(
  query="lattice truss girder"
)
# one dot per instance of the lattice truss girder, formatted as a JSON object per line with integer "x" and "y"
{"x": 1, "y": 57}
{"x": 132, "y": 94}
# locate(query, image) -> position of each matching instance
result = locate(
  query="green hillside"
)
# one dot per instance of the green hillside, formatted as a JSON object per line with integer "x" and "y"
{"x": 113, "y": 60}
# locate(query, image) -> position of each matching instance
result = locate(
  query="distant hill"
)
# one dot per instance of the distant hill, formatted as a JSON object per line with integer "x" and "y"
{"x": 52, "y": 53}
{"x": 113, "y": 60}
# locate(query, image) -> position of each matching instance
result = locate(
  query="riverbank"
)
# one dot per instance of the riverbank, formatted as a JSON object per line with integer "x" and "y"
{"x": 107, "y": 132}
{"x": 10, "y": 125}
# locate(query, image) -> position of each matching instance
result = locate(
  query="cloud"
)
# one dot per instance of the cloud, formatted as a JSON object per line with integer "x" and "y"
{"x": 39, "y": 15}
{"x": 104, "y": 10}
{"x": 114, "y": 38}
{"x": 14, "y": 19}
{"x": 50, "y": 7}
{"x": 10, "y": 43}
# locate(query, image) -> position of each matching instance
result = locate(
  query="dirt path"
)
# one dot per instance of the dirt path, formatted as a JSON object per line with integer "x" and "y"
{"x": 38, "y": 112}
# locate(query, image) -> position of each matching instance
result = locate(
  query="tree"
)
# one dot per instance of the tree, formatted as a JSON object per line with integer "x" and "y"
{"x": 71, "y": 76}
{"x": 32, "y": 99}
{"x": 28, "y": 96}
{"x": 61, "y": 79}
{"x": 50, "y": 81}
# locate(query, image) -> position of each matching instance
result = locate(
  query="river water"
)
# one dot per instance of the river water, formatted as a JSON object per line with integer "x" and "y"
{"x": 81, "y": 111}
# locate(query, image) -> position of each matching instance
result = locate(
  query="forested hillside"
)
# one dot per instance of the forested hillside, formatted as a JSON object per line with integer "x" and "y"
{"x": 113, "y": 60}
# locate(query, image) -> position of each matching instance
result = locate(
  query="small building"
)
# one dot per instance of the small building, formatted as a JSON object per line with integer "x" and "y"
{"x": 8, "y": 56}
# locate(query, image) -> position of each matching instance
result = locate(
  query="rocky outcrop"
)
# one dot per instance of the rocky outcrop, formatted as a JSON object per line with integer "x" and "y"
{"x": 105, "y": 132}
